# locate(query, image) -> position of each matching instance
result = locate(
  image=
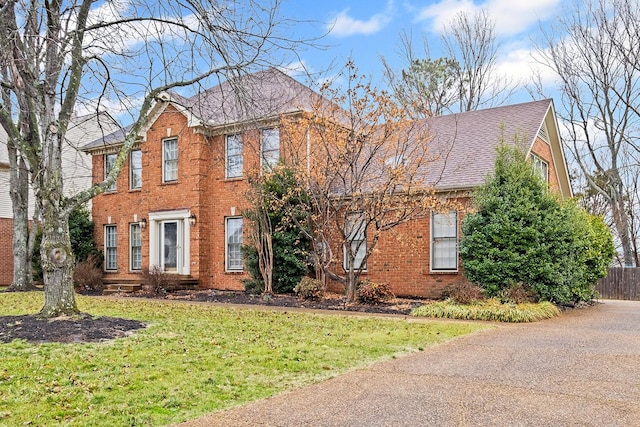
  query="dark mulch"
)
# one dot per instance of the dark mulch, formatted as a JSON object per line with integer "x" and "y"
{"x": 328, "y": 302}
{"x": 67, "y": 329}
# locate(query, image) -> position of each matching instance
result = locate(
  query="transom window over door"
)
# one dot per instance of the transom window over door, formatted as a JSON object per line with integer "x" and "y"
{"x": 170, "y": 160}
{"x": 444, "y": 241}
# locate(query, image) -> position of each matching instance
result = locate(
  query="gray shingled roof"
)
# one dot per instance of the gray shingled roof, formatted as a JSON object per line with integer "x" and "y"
{"x": 465, "y": 143}
{"x": 463, "y": 146}
{"x": 264, "y": 94}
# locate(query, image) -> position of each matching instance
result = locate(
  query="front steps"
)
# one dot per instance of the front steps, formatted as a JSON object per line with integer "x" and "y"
{"x": 121, "y": 288}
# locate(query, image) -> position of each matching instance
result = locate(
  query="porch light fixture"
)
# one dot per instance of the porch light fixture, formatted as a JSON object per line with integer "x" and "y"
{"x": 192, "y": 220}
{"x": 143, "y": 223}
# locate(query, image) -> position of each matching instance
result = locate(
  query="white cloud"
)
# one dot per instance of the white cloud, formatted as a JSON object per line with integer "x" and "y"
{"x": 512, "y": 17}
{"x": 343, "y": 25}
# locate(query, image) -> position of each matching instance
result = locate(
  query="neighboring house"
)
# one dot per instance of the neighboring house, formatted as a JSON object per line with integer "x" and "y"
{"x": 178, "y": 202}
{"x": 76, "y": 172}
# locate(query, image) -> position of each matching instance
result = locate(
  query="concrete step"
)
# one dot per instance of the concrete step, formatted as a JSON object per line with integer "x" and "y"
{"x": 115, "y": 288}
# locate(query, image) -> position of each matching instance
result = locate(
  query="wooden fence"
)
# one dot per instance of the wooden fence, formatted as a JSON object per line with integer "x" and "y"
{"x": 620, "y": 283}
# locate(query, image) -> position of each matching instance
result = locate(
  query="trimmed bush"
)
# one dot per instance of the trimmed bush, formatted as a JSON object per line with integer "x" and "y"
{"x": 523, "y": 234}
{"x": 370, "y": 292}
{"x": 87, "y": 276}
{"x": 309, "y": 288}
{"x": 463, "y": 292}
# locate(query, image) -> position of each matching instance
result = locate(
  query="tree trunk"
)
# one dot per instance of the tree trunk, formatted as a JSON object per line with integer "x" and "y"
{"x": 57, "y": 265}
{"x": 621, "y": 222}
{"x": 19, "y": 193}
{"x": 351, "y": 287}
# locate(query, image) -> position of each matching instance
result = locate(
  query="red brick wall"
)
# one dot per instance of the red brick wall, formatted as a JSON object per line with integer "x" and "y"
{"x": 6, "y": 251}
{"x": 402, "y": 259}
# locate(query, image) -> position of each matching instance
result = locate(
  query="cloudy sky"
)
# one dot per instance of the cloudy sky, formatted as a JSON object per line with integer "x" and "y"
{"x": 367, "y": 30}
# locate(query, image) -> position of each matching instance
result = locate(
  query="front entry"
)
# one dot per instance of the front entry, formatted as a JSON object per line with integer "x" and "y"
{"x": 169, "y": 241}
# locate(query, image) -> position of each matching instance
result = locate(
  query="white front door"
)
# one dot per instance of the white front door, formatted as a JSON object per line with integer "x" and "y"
{"x": 169, "y": 241}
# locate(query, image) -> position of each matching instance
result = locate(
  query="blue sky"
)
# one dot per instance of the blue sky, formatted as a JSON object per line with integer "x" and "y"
{"x": 366, "y": 30}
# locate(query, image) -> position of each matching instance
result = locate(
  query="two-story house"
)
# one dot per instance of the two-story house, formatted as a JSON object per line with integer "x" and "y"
{"x": 178, "y": 203}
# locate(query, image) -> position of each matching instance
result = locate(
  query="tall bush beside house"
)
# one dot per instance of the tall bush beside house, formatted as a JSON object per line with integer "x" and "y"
{"x": 522, "y": 234}
{"x": 276, "y": 195}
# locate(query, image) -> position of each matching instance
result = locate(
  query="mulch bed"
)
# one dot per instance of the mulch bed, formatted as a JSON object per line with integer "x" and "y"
{"x": 66, "y": 329}
{"x": 328, "y": 302}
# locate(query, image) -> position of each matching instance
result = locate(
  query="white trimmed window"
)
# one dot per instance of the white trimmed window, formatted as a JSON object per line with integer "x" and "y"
{"x": 170, "y": 160}
{"x": 540, "y": 166}
{"x": 233, "y": 233}
{"x": 233, "y": 156}
{"x": 135, "y": 166}
{"x": 135, "y": 237}
{"x": 356, "y": 234}
{"x": 110, "y": 248}
{"x": 270, "y": 147}
{"x": 444, "y": 241}
{"x": 109, "y": 163}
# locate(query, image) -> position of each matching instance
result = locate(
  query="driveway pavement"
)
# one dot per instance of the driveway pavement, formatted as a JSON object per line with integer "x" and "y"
{"x": 582, "y": 369}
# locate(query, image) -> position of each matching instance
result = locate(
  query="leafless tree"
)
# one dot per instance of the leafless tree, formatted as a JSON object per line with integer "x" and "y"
{"x": 61, "y": 56}
{"x": 471, "y": 40}
{"x": 364, "y": 165}
{"x": 593, "y": 50}
{"x": 465, "y": 79}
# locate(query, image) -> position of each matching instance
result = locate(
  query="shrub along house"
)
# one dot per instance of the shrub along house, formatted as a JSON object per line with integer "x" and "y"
{"x": 178, "y": 203}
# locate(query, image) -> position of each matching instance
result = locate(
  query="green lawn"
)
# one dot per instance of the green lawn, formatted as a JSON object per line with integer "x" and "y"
{"x": 191, "y": 360}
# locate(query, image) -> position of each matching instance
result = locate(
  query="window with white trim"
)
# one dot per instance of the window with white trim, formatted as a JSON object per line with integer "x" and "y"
{"x": 170, "y": 160}
{"x": 233, "y": 233}
{"x": 135, "y": 238}
{"x": 135, "y": 167}
{"x": 356, "y": 234}
{"x": 110, "y": 248}
{"x": 540, "y": 166}
{"x": 270, "y": 147}
{"x": 233, "y": 151}
{"x": 444, "y": 241}
{"x": 109, "y": 163}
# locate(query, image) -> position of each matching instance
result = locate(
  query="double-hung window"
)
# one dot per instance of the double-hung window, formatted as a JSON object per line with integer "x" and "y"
{"x": 136, "y": 246}
{"x": 170, "y": 160}
{"x": 135, "y": 166}
{"x": 109, "y": 163}
{"x": 233, "y": 232}
{"x": 110, "y": 248}
{"x": 270, "y": 147}
{"x": 356, "y": 234}
{"x": 444, "y": 241}
{"x": 540, "y": 166}
{"x": 233, "y": 159}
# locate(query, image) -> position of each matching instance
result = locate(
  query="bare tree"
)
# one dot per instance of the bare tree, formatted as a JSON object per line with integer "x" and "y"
{"x": 364, "y": 167}
{"x": 465, "y": 79}
{"x": 594, "y": 50}
{"x": 471, "y": 40}
{"x": 57, "y": 57}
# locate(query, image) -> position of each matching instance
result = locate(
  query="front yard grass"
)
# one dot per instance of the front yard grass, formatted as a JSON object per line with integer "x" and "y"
{"x": 191, "y": 360}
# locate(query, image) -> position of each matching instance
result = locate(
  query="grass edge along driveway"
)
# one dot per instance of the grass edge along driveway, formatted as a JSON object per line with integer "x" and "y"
{"x": 193, "y": 359}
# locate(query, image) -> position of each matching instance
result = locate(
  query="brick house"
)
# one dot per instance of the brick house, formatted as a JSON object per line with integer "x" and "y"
{"x": 178, "y": 203}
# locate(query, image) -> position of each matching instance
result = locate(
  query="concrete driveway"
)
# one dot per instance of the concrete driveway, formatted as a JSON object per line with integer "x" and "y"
{"x": 582, "y": 369}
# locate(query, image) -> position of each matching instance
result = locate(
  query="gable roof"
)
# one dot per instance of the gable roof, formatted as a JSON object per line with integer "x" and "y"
{"x": 464, "y": 144}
